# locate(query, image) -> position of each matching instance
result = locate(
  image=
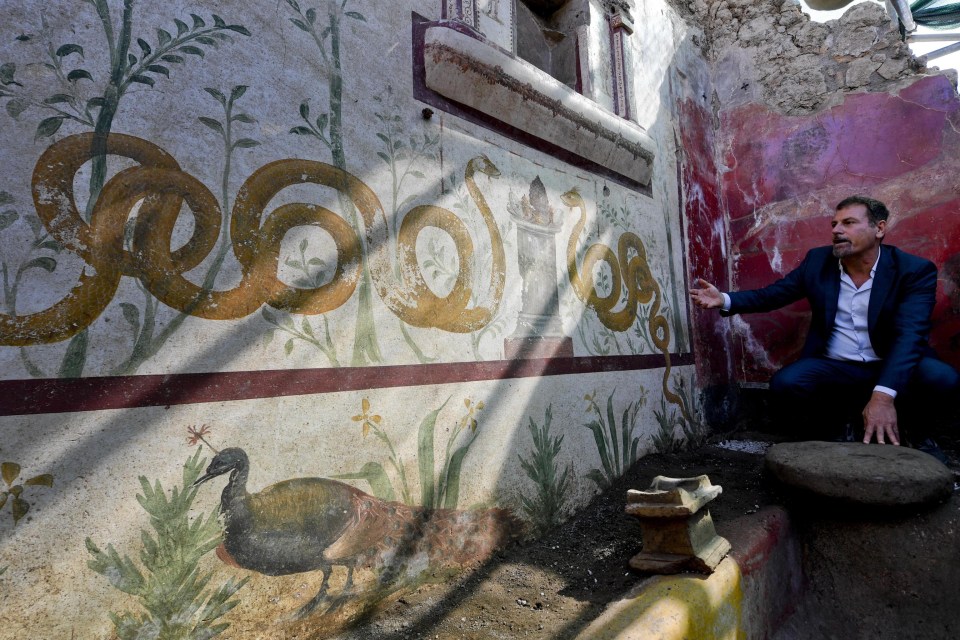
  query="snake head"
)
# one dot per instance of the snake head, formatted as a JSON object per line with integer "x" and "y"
{"x": 483, "y": 164}
{"x": 572, "y": 198}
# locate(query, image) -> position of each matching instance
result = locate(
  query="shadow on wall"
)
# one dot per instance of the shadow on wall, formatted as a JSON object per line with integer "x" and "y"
{"x": 332, "y": 530}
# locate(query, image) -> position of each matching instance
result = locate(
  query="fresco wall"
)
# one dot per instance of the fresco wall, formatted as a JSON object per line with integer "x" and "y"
{"x": 797, "y": 123}
{"x": 253, "y": 249}
{"x": 860, "y": 146}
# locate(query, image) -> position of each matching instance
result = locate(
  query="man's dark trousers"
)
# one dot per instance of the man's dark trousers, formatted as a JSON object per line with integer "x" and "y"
{"x": 816, "y": 397}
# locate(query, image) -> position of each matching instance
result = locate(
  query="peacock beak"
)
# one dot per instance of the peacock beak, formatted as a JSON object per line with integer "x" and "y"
{"x": 204, "y": 478}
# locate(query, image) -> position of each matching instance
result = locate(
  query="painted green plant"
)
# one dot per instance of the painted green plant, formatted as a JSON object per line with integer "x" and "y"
{"x": 616, "y": 444}
{"x": 41, "y": 255}
{"x": 617, "y": 216}
{"x": 174, "y": 593}
{"x": 642, "y": 327}
{"x": 443, "y": 269}
{"x": 65, "y": 105}
{"x": 545, "y": 509}
{"x": 374, "y": 472}
{"x": 284, "y": 323}
{"x": 403, "y": 153}
{"x": 128, "y": 67}
{"x": 664, "y": 440}
{"x": 13, "y": 493}
{"x": 600, "y": 341}
{"x": 669, "y": 420}
{"x": 148, "y": 338}
{"x": 313, "y": 272}
{"x": 327, "y": 128}
{"x": 694, "y": 434}
{"x": 437, "y": 489}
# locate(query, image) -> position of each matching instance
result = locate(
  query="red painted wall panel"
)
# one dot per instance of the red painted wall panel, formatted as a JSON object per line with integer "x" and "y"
{"x": 707, "y": 249}
{"x": 782, "y": 176}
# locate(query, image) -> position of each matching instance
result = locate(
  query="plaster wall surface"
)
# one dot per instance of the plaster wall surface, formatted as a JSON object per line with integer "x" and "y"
{"x": 232, "y": 226}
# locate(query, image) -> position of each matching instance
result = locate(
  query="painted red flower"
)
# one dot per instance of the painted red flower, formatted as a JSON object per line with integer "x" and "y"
{"x": 197, "y": 435}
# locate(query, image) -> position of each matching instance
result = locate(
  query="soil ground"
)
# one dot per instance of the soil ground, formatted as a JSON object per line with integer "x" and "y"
{"x": 553, "y": 587}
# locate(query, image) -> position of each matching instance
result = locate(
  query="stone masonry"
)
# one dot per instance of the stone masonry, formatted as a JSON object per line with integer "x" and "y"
{"x": 772, "y": 52}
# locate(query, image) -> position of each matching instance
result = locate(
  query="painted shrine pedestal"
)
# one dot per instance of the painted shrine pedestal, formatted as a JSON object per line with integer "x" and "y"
{"x": 539, "y": 332}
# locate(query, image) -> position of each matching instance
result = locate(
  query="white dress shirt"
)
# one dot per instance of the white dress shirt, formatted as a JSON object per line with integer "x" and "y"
{"x": 850, "y": 339}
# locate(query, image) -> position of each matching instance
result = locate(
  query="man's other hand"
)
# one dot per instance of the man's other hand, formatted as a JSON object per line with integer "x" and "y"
{"x": 707, "y": 296}
{"x": 880, "y": 419}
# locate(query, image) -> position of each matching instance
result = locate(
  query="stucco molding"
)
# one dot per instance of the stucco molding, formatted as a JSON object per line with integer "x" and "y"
{"x": 476, "y": 74}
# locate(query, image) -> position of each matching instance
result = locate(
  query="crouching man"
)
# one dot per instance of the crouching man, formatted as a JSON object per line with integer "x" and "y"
{"x": 867, "y": 344}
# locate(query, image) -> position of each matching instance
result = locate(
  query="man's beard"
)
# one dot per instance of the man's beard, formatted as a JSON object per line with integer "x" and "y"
{"x": 841, "y": 249}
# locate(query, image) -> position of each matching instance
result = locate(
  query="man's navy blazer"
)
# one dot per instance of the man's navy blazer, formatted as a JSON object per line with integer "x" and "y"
{"x": 898, "y": 318}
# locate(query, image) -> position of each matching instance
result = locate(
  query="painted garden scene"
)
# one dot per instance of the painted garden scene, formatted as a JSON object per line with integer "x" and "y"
{"x": 358, "y": 319}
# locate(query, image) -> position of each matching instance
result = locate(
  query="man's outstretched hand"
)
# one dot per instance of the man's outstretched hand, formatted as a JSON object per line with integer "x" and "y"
{"x": 707, "y": 296}
{"x": 880, "y": 420}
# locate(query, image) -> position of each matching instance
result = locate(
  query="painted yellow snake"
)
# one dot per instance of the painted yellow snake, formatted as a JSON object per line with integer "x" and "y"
{"x": 630, "y": 271}
{"x": 256, "y": 238}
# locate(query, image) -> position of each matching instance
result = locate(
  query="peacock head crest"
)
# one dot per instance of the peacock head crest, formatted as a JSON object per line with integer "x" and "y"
{"x": 572, "y": 198}
{"x": 483, "y": 164}
{"x": 232, "y": 459}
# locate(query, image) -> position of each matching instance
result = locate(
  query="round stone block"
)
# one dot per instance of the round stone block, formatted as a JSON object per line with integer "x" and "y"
{"x": 871, "y": 474}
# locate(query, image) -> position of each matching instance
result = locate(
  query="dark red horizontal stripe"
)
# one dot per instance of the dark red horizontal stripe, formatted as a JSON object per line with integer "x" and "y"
{"x": 26, "y": 397}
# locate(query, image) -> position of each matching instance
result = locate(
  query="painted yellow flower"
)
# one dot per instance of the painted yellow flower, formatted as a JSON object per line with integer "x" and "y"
{"x": 589, "y": 398}
{"x": 471, "y": 412}
{"x": 365, "y": 417}
{"x": 10, "y": 471}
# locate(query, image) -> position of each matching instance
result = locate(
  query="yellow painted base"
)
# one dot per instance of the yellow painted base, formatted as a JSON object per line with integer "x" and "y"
{"x": 682, "y": 607}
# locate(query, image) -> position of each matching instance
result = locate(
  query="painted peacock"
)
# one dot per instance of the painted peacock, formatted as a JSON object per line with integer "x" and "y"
{"x": 315, "y": 524}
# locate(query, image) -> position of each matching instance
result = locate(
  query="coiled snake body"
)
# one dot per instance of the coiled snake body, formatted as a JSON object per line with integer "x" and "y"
{"x": 256, "y": 240}
{"x": 628, "y": 268}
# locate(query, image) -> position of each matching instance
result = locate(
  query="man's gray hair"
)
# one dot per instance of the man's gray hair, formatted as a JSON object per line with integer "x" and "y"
{"x": 876, "y": 210}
